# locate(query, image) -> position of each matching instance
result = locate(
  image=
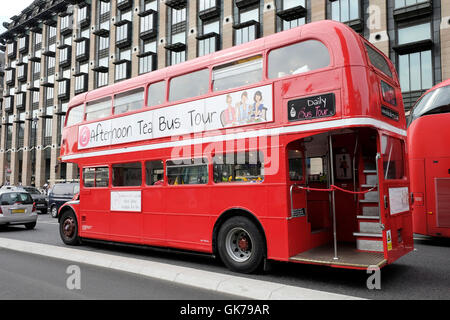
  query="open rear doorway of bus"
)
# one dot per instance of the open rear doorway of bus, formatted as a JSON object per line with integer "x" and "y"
{"x": 334, "y": 194}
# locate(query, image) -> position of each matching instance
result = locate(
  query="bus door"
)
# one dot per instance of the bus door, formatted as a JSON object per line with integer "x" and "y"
{"x": 438, "y": 196}
{"x": 395, "y": 210}
{"x": 94, "y": 202}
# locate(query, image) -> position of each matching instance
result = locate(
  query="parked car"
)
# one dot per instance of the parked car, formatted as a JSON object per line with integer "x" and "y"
{"x": 60, "y": 194}
{"x": 40, "y": 199}
{"x": 17, "y": 207}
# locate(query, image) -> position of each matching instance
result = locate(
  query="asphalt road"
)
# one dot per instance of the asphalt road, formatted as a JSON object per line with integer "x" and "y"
{"x": 422, "y": 274}
{"x": 27, "y": 276}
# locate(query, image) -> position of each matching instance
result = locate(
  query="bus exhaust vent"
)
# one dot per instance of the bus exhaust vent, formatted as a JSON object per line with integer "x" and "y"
{"x": 443, "y": 202}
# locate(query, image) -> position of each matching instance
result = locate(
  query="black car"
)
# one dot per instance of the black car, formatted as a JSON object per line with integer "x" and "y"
{"x": 60, "y": 194}
{"x": 39, "y": 199}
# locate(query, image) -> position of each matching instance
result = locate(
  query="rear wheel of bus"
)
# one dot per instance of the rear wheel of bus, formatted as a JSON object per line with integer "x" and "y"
{"x": 240, "y": 245}
{"x": 68, "y": 228}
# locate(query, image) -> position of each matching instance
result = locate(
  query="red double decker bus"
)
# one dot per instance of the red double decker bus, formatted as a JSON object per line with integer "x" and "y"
{"x": 429, "y": 158}
{"x": 289, "y": 148}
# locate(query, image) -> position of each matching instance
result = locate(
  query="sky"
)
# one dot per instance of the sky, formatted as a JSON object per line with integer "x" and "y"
{"x": 9, "y": 8}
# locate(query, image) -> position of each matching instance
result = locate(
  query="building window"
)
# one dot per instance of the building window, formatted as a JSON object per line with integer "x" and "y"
{"x": 406, "y": 3}
{"x": 208, "y": 42}
{"x": 177, "y": 35}
{"x": 416, "y": 71}
{"x": 248, "y": 27}
{"x": 345, "y": 10}
{"x": 147, "y": 58}
{"x": 292, "y": 13}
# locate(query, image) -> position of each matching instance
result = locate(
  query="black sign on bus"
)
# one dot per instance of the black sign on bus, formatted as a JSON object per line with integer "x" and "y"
{"x": 312, "y": 107}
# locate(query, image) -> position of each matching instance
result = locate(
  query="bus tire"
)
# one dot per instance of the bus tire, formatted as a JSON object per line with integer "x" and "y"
{"x": 68, "y": 228}
{"x": 240, "y": 245}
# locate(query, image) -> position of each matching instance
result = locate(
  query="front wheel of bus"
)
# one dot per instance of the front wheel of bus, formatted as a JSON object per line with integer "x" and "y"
{"x": 68, "y": 228}
{"x": 240, "y": 245}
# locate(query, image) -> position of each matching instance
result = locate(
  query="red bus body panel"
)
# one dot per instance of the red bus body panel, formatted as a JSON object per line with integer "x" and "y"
{"x": 184, "y": 216}
{"x": 428, "y": 138}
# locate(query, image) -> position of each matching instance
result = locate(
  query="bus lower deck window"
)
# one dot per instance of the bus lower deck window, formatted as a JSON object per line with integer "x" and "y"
{"x": 187, "y": 171}
{"x": 127, "y": 174}
{"x": 154, "y": 173}
{"x": 239, "y": 167}
{"x": 96, "y": 177}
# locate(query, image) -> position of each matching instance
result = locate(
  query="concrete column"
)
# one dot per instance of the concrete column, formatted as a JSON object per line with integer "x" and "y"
{"x": 55, "y": 172}
{"x": 269, "y": 22}
{"x": 192, "y": 30}
{"x": 14, "y": 163}
{"x": 228, "y": 20}
{"x": 40, "y": 153}
{"x": 136, "y": 40}
{"x": 112, "y": 43}
{"x": 318, "y": 10}
{"x": 377, "y": 25}
{"x": 26, "y": 160}
{"x": 445, "y": 39}
{"x": 92, "y": 42}
{"x": 162, "y": 32}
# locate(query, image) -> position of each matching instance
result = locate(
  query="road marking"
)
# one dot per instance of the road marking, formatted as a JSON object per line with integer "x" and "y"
{"x": 222, "y": 283}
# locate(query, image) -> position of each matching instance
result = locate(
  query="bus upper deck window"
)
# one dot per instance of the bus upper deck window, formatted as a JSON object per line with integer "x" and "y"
{"x": 189, "y": 85}
{"x": 298, "y": 58}
{"x": 128, "y": 101}
{"x": 378, "y": 61}
{"x": 237, "y": 74}
{"x": 98, "y": 109}
{"x": 156, "y": 94}
{"x": 75, "y": 115}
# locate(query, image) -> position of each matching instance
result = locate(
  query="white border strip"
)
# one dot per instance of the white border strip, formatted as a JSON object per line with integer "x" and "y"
{"x": 221, "y": 283}
{"x": 246, "y": 134}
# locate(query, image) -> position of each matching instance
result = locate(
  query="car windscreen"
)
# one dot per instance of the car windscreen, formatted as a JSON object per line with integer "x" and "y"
{"x": 11, "y": 198}
{"x": 434, "y": 102}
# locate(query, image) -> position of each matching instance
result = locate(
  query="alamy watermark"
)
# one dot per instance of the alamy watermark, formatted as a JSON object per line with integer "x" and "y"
{"x": 73, "y": 281}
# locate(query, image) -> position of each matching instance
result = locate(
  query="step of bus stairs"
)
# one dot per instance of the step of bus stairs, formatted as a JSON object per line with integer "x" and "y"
{"x": 370, "y": 211}
{"x": 371, "y": 177}
{"x": 370, "y": 197}
{"x": 370, "y": 227}
{"x": 369, "y": 241}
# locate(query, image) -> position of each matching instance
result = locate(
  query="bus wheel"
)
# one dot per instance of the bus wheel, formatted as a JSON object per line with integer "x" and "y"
{"x": 68, "y": 228}
{"x": 240, "y": 245}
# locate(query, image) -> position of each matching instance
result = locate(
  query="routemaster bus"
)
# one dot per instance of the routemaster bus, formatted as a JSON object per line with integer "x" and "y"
{"x": 429, "y": 158}
{"x": 290, "y": 147}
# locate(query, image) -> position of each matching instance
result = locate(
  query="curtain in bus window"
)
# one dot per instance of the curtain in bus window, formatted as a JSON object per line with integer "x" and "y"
{"x": 128, "y": 101}
{"x": 187, "y": 171}
{"x": 237, "y": 74}
{"x": 127, "y": 174}
{"x": 239, "y": 167}
{"x": 98, "y": 109}
{"x": 393, "y": 158}
{"x": 298, "y": 58}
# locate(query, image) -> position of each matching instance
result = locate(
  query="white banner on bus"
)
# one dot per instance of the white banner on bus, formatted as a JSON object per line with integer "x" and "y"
{"x": 224, "y": 111}
{"x": 126, "y": 201}
{"x": 398, "y": 200}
